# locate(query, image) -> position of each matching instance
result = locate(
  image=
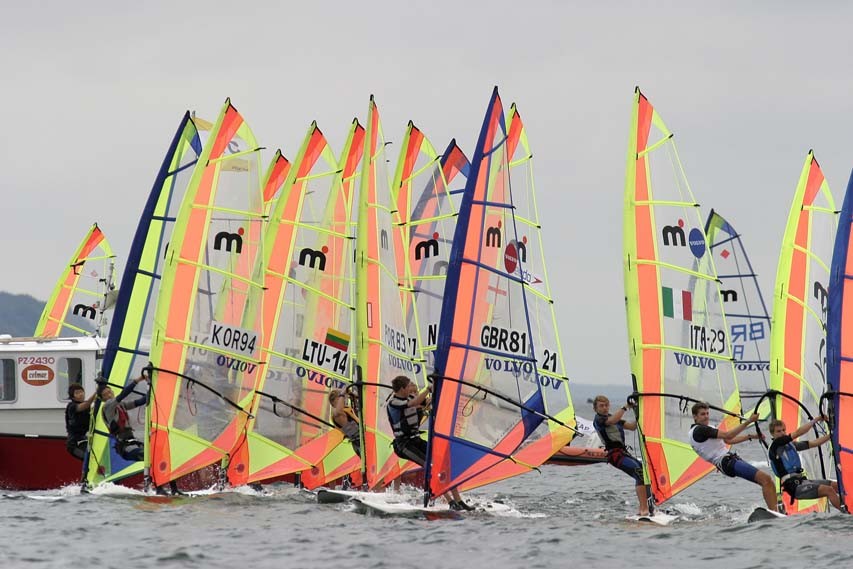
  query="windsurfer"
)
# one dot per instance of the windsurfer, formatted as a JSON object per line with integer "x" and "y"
{"x": 77, "y": 421}
{"x": 345, "y": 418}
{"x": 115, "y": 416}
{"x": 785, "y": 461}
{"x": 405, "y": 413}
{"x": 611, "y": 429}
{"x": 712, "y": 445}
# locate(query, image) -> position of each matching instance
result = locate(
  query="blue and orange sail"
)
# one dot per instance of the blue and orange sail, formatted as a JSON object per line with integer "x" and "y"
{"x": 839, "y": 351}
{"x": 798, "y": 340}
{"x": 207, "y": 360}
{"x": 80, "y": 298}
{"x": 501, "y": 403}
{"x": 129, "y": 341}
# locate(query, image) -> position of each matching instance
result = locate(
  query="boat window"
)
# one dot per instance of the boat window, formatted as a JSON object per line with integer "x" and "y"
{"x": 69, "y": 370}
{"x": 7, "y": 381}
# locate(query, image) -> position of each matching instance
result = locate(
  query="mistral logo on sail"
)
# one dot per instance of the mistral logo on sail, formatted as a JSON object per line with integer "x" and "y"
{"x": 229, "y": 240}
{"x": 312, "y": 257}
{"x": 674, "y": 236}
{"x": 427, "y": 248}
{"x": 232, "y": 339}
{"x": 84, "y": 311}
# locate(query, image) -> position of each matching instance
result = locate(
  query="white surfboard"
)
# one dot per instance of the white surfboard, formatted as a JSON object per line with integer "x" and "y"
{"x": 442, "y": 511}
{"x": 760, "y": 514}
{"x": 658, "y": 518}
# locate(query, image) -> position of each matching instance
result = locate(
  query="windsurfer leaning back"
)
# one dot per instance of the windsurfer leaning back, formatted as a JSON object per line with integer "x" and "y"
{"x": 115, "y": 410}
{"x": 784, "y": 456}
{"x": 405, "y": 413}
{"x": 611, "y": 429}
{"x": 712, "y": 445}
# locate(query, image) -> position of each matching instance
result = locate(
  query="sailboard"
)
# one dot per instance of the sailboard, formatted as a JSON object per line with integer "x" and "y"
{"x": 745, "y": 309}
{"x": 678, "y": 340}
{"x": 658, "y": 518}
{"x": 762, "y": 514}
{"x": 306, "y": 307}
{"x": 798, "y": 338}
{"x": 837, "y": 402}
{"x": 501, "y": 402}
{"x": 129, "y": 341}
{"x": 205, "y": 358}
{"x": 83, "y": 293}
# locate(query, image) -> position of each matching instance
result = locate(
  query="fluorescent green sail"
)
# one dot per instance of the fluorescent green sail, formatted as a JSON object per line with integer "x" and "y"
{"x": 798, "y": 334}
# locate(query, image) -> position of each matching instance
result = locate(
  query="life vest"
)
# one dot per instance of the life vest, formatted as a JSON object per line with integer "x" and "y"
{"x": 612, "y": 436}
{"x": 712, "y": 450}
{"x": 350, "y": 429}
{"x": 405, "y": 421}
{"x": 119, "y": 427}
{"x": 786, "y": 462}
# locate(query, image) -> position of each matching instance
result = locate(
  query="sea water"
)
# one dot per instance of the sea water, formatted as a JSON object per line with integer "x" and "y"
{"x": 559, "y": 517}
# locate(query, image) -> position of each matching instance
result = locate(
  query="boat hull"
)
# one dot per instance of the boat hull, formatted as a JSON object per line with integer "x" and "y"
{"x": 30, "y": 462}
{"x": 577, "y": 456}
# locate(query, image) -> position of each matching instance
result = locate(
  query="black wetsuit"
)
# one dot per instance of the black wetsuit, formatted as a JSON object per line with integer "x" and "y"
{"x": 77, "y": 427}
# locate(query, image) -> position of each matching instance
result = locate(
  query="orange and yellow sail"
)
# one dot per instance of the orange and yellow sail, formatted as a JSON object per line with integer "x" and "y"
{"x": 678, "y": 341}
{"x": 80, "y": 297}
{"x": 306, "y": 311}
{"x": 206, "y": 356}
{"x": 801, "y": 300}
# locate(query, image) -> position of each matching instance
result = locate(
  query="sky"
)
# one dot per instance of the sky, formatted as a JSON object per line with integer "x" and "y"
{"x": 93, "y": 92}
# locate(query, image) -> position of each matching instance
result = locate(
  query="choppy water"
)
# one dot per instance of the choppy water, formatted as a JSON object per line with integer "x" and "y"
{"x": 563, "y": 517}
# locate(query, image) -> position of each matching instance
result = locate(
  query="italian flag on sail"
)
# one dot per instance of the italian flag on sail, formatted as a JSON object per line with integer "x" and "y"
{"x": 677, "y": 304}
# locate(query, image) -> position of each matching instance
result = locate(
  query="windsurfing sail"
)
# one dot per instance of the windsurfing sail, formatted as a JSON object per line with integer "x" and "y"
{"x": 83, "y": 293}
{"x": 342, "y": 460}
{"x": 426, "y": 222}
{"x": 384, "y": 349}
{"x": 307, "y": 319}
{"x": 129, "y": 341}
{"x": 798, "y": 338}
{"x": 839, "y": 362}
{"x": 678, "y": 340}
{"x": 425, "y": 227}
{"x": 206, "y": 359}
{"x": 746, "y": 312}
{"x": 501, "y": 403}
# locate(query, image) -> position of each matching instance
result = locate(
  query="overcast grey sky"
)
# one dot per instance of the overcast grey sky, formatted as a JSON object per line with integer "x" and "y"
{"x": 93, "y": 92}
